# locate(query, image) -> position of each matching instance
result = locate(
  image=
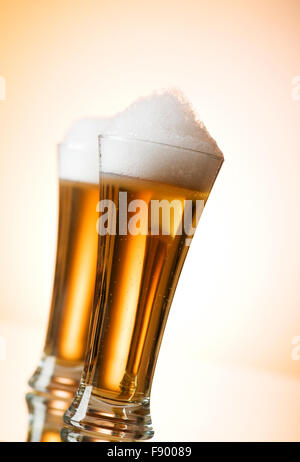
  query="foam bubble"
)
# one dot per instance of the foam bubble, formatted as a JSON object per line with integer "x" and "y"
{"x": 79, "y": 152}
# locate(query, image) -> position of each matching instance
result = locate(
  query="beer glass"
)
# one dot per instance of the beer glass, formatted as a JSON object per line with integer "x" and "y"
{"x": 150, "y": 197}
{"x": 62, "y": 361}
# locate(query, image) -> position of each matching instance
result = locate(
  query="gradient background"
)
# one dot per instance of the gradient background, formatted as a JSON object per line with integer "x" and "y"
{"x": 225, "y": 371}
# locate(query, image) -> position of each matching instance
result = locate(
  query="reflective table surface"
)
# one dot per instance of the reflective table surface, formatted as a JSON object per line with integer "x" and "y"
{"x": 193, "y": 397}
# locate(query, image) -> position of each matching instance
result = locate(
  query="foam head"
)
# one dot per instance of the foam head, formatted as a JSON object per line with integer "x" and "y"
{"x": 79, "y": 152}
{"x": 187, "y": 155}
{"x": 165, "y": 117}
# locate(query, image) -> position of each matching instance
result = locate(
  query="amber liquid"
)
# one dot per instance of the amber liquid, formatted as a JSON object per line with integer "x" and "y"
{"x": 75, "y": 272}
{"x": 136, "y": 279}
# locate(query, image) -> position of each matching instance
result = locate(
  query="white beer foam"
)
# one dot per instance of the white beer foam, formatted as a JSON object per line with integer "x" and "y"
{"x": 161, "y": 163}
{"x": 165, "y": 117}
{"x": 187, "y": 156}
{"x": 79, "y": 152}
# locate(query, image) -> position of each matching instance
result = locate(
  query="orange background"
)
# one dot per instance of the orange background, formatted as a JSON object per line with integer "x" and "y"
{"x": 237, "y": 307}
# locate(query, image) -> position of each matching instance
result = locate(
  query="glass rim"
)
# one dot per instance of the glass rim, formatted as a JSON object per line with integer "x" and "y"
{"x": 102, "y": 136}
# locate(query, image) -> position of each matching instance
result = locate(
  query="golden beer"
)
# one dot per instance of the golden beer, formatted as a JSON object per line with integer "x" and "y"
{"x": 140, "y": 273}
{"x": 73, "y": 288}
{"x": 75, "y": 272}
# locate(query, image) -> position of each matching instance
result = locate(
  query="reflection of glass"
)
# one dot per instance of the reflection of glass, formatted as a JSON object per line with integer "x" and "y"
{"x": 45, "y": 417}
{"x": 137, "y": 275}
{"x": 65, "y": 345}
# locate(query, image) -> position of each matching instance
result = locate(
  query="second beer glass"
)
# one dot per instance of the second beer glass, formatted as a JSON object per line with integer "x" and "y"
{"x": 61, "y": 365}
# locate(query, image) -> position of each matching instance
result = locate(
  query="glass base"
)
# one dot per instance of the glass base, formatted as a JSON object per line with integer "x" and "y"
{"x": 54, "y": 378}
{"x": 93, "y": 419}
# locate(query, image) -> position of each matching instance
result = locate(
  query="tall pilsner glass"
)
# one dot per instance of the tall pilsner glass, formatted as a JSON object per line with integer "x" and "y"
{"x": 62, "y": 361}
{"x": 150, "y": 196}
